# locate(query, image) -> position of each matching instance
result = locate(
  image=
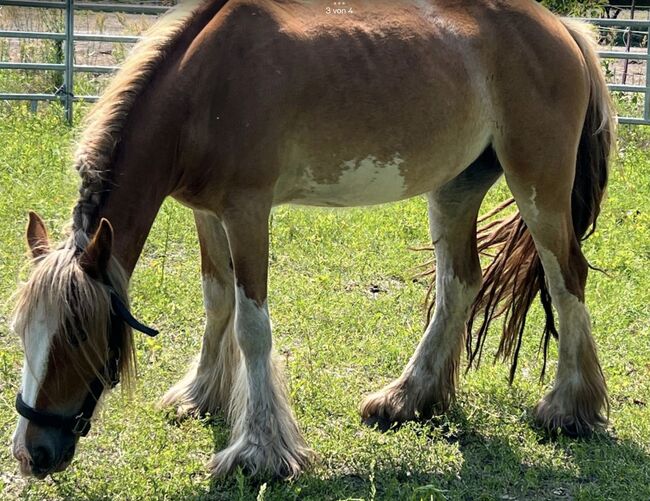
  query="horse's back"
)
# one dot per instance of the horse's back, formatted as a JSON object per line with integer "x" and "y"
{"x": 376, "y": 101}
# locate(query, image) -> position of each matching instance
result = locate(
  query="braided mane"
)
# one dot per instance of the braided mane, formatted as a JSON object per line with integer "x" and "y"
{"x": 106, "y": 121}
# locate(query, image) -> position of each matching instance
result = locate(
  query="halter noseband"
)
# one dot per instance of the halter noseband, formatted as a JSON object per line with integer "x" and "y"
{"x": 80, "y": 423}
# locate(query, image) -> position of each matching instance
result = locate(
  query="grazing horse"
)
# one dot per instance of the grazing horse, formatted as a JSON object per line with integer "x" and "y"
{"x": 235, "y": 106}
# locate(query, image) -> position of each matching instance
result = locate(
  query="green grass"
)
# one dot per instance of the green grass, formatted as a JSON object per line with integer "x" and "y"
{"x": 339, "y": 342}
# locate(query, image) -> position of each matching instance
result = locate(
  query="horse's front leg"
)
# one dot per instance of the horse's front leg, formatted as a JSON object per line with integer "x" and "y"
{"x": 428, "y": 382}
{"x": 265, "y": 436}
{"x": 207, "y": 385}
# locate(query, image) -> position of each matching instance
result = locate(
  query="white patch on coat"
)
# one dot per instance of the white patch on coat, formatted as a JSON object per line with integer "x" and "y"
{"x": 527, "y": 204}
{"x": 19, "y": 449}
{"x": 574, "y": 319}
{"x": 252, "y": 325}
{"x": 215, "y": 296}
{"x": 367, "y": 181}
{"x": 425, "y": 7}
{"x": 552, "y": 270}
{"x": 445, "y": 330}
{"x": 265, "y": 434}
{"x": 38, "y": 340}
{"x": 454, "y": 298}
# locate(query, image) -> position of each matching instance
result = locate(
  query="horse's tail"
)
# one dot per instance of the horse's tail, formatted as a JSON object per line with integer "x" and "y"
{"x": 597, "y": 140}
{"x": 515, "y": 275}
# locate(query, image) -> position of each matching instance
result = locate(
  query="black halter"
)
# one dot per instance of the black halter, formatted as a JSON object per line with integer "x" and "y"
{"x": 80, "y": 423}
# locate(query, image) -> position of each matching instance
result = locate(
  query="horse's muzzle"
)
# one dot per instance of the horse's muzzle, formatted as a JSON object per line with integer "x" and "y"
{"x": 47, "y": 451}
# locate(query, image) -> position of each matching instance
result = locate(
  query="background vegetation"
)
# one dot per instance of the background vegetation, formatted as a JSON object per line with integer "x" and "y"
{"x": 587, "y": 8}
{"x": 347, "y": 314}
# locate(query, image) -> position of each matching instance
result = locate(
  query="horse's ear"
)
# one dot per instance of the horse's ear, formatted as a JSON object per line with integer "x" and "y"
{"x": 37, "y": 239}
{"x": 94, "y": 259}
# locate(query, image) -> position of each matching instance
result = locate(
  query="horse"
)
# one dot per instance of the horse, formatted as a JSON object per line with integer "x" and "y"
{"x": 233, "y": 107}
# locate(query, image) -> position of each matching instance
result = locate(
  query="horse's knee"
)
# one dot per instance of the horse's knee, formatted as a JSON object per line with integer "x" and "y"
{"x": 252, "y": 326}
{"x": 218, "y": 297}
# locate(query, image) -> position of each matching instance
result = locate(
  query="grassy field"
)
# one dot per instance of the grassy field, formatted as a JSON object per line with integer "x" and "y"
{"x": 340, "y": 341}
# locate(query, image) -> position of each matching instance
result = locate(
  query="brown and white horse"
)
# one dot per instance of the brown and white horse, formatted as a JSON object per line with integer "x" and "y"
{"x": 235, "y": 106}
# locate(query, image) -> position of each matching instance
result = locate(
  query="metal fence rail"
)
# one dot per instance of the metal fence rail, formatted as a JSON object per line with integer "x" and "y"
{"x": 65, "y": 94}
{"x": 94, "y": 7}
{"x": 641, "y": 27}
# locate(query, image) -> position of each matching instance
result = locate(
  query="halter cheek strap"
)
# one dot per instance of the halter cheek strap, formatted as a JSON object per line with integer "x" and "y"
{"x": 121, "y": 311}
{"x": 79, "y": 424}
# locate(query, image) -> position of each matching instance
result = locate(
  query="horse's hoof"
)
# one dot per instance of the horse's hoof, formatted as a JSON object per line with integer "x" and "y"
{"x": 386, "y": 409}
{"x": 272, "y": 461}
{"x": 178, "y": 406}
{"x": 380, "y": 423}
{"x": 574, "y": 425}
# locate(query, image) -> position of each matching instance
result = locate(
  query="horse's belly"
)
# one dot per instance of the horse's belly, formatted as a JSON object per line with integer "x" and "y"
{"x": 359, "y": 181}
{"x": 365, "y": 181}
{"x": 359, "y": 177}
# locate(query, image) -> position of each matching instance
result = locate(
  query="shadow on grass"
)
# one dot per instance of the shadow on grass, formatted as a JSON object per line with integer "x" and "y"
{"x": 493, "y": 467}
{"x": 601, "y": 467}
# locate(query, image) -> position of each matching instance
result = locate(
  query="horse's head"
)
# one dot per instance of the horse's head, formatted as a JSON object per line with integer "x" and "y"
{"x": 75, "y": 344}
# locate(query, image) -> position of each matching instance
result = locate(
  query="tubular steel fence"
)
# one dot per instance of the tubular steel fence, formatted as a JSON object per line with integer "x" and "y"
{"x": 65, "y": 93}
{"x": 630, "y": 27}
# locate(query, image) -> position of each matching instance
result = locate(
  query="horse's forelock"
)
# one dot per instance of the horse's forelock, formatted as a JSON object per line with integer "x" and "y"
{"x": 78, "y": 305}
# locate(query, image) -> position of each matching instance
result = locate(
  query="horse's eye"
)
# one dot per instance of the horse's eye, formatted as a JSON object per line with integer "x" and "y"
{"x": 75, "y": 335}
{"x": 73, "y": 339}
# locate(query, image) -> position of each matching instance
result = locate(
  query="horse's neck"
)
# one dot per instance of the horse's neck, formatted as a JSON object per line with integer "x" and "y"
{"x": 141, "y": 177}
{"x": 131, "y": 209}
{"x": 145, "y": 168}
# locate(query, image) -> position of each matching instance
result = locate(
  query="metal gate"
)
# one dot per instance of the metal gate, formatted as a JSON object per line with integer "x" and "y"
{"x": 630, "y": 26}
{"x": 65, "y": 93}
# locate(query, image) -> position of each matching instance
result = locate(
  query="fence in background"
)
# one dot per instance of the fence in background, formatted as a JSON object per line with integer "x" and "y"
{"x": 630, "y": 27}
{"x": 66, "y": 95}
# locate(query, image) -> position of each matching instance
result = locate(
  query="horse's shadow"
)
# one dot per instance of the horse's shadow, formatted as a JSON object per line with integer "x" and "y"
{"x": 493, "y": 467}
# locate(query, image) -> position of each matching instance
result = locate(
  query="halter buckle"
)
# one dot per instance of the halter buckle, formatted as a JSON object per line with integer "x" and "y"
{"x": 81, "y": 426}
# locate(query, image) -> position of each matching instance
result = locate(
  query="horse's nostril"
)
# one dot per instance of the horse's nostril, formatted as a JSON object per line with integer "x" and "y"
{"x": 42, "y": 459}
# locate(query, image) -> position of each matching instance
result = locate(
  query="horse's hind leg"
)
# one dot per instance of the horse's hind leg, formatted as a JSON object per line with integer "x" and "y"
{"x": 542, "y": 186}
{"x": 207, "y": 385}
{"x": 427, "y": 384}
